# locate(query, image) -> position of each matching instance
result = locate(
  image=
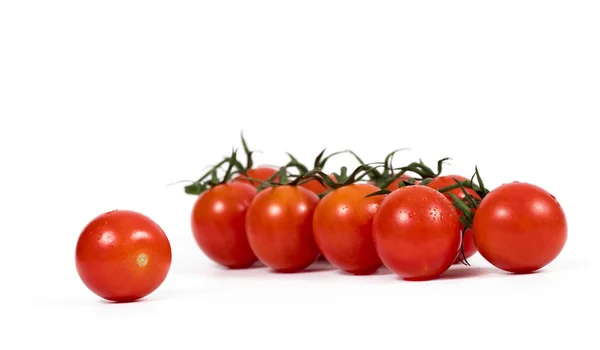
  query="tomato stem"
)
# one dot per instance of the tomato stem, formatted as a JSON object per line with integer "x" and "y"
{"x": 387, "y": 175}
{"x": 461, "y": 255}
{"x": 423, "y": 170}
{"x": 249, "y": 161}
{"x": 319, "y": 162}
{"x": 478, "y": 188}
{"x": 468, "y": 205}
{"x": 202, "y": 184}
{"x": 343, "y": 179}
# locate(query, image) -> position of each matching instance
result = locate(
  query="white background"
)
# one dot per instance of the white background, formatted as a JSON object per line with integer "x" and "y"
{"x": 104, "y": 104}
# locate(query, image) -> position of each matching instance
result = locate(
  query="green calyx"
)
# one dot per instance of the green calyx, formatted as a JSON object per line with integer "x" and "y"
{"x": 423, "y": 170}
{"x": 211, "y": 178}
{"x": 478, "y": 187}
{"x": 342, "y": 178}
{"x": 319, "y": 162}
{"x": 249, "y": 162}
{"x": 285, "y": 177}
{"x": 382, "y": 178}
{"x": 468, "y": 205}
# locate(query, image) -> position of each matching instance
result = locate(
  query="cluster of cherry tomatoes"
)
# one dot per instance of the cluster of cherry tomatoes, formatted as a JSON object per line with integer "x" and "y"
{"x": 411, "y": 219}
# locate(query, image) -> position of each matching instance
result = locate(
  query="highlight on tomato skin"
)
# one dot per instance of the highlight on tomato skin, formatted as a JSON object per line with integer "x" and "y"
{"x": 520, "y": 227}
{"x": 279, "y": 227}
{"x": 122, "y": 256}
{"x": 218, "y": 224}
{"x": 417, "y": 233}
{"x": 342, "y": 226}
{"x": 469, "y": 248}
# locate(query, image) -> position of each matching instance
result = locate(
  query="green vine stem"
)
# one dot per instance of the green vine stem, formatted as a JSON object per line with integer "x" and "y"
{"x": 319, "y": 162}
{"x": 342, "y": 178}
{"x": 423, "y": 170}
{"x": 377, "y": 177}
{"x": 243, "y": 169}
{"x": 479, "y": 188}
{"x": 388, "y": 175}
{"x": 468, "y": 205}
{"x": 425, "y": 173}
{"x": 287, "y": 179}
{"x": 211, "y": 179}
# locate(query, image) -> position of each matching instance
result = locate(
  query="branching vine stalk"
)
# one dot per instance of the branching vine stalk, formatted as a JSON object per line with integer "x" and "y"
{"x": 202, "y": 184}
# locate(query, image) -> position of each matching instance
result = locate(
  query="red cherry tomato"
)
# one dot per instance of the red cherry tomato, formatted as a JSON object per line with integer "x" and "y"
{"x": 218, "y": 219}
{"x": 519, "y": 227}
{"x": 342, "y": 226}
{"x": 279, "y": 227}
{"x": 262, "y": 173}
{"x": 122, "y": 256}
{"x": 417, "y": 232}
{"x": 448, "y": 180}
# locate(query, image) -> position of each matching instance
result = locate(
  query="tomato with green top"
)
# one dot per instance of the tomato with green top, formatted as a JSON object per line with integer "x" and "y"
{"x": 279, "y": 227}
{"x": 417, "y": 232}
{"x": 440, "y": 182}
{"x": 342, "y": 225}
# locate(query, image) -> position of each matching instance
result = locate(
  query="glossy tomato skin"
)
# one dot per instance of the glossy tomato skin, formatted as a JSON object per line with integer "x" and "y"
{"x": 218, "y": 224}
{"x": 343, "y": 228}
{"x": 262, "y": 173}
{"x": 520, "y": 227}
{"x": 417, "y": 232}
{"x": 448, "y": 180}
{"x": 279, "y": 227}
{"x": 122, "y": 256}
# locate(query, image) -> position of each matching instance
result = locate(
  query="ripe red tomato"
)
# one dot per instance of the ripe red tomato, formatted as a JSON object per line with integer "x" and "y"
{"x": 279, "y": 227}
{"x": 218, "y": 219}
{"x": 519, "y": 227}
{"x": 448, "y": 180}
{"x": 342, "y": 226}
{"x": 417, "y": 232}
{"x": 122, "y": 256}
{"x": 262, "y": 173}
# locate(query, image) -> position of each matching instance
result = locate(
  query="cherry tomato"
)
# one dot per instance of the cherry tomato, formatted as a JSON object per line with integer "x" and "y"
{"x": 262, "y": 173}
{"x": 417, "y": 232}
{"x": 342, "y": 226}
{"x": 519, "y": 227}
{"x": 448, "y": 180}
{"x": 279, "y": 227}
{"x": 218, "y": 219}
{"x": 122, "y": 256}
